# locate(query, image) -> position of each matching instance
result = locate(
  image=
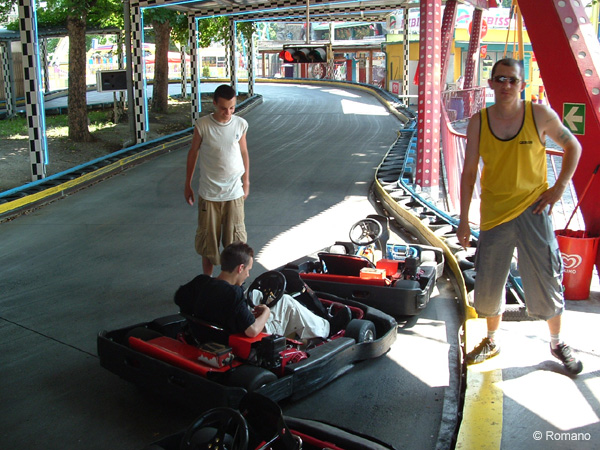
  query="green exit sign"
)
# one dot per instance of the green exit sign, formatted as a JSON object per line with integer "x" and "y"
{"x": 574, "y": 117}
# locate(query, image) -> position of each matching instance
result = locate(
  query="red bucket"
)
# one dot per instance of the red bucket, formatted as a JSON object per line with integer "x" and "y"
{"x": 578, "y": 252}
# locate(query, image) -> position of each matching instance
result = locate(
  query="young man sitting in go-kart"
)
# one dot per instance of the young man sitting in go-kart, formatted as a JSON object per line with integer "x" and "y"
{"x": 221, "y": 301}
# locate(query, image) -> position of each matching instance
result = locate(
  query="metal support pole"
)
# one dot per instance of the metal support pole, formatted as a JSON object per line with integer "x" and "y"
{"x": 128, "y": 67}
{"x": 183, "y": 70}
{"x": 429, "y": 111}
{"x": 448, "y": 23}
{"x": 9, "y": 79}
{"x": 196, "y": 102}
{"x": 473, "y": 52}
{"x": 139, "y": 102}
{"x": 251, "y": 64}
{"x": 406, "y": 61}
{"x": 307, "y": 34}
{"x": 34, "y": 98}
{"x": 232, "y": 52}
{"x": 44, "y": 64}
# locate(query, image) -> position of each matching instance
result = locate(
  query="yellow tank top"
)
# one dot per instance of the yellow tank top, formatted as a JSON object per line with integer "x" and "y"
{"x": 514, "y": 171}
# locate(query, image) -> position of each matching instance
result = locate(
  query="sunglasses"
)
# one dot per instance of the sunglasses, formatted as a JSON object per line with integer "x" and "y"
{"x": 503, "y": 79}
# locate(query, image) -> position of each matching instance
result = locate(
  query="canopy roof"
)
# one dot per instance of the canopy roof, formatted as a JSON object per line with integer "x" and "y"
{"x": 296, "y": 10}
{"x": 289, "y": 10}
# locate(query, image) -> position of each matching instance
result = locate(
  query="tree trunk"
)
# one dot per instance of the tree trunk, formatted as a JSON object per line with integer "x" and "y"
{"x": 78, "y": 118}
{"x": 160, "y": 95}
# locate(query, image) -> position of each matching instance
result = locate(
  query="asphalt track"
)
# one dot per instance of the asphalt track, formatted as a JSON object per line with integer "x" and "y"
{"x": 114, "y": 253}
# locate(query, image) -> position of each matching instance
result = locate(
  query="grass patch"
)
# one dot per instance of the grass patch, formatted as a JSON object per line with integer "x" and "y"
{"x": 56, "y": 125}
{"x": 13, "y": 128}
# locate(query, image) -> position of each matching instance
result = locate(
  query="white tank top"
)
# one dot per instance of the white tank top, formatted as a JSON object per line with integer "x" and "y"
{"x": 220, "y": 159}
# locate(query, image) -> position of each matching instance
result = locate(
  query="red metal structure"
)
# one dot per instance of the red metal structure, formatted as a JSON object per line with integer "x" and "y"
{"x": 435, "y": 38}
{"x": 569, "y": 60}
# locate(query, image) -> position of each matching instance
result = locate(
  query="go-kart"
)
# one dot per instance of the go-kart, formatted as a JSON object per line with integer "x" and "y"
{"x": 216, "y": 368}
{"x": 259, "y": 424}
{"x": 397, "y": 278}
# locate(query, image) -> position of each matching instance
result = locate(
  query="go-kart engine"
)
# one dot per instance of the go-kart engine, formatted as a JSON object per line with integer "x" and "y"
{"x": 411, "y": 268}
{"x": 269, "y": 351}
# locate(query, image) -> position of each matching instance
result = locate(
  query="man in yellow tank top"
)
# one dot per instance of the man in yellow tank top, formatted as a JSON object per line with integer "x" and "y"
{"x": 516, "y": 201}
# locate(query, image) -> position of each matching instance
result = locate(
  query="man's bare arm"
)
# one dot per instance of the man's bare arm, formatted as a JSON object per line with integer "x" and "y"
{"x": 192, "y": 159}
{"x": 552, "y": 127}
{"x": 468, "y": 178}
{"x": 261, "y": 315}
{"x": 246, "y": 160}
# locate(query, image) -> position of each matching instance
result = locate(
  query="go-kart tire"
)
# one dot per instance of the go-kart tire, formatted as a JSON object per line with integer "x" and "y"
{"x": 250, "y": 377}
{"x": 143, "y": 333}
{"x": 361, "y": 330}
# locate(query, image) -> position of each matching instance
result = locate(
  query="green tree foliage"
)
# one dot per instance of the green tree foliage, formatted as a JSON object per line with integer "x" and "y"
{"x": 6, "y": 7}
{"x": 246, "y": 29}
{"x": 162, "y": 21}
{"x": 212, "y": 30}
{"x": 78, "y": 15}
{"x": 268, "y": 30}
{"x": 179, "y": 30}
{"x": 98, "y": 13}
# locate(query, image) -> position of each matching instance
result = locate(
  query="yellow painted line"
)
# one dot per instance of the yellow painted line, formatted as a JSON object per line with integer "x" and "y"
{"x": 481, "y": 426}
{"x": 84, "y": 179}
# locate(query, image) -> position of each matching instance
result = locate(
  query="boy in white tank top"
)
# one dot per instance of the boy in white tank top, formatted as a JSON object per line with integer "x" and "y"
{"x": 220, "y": 151}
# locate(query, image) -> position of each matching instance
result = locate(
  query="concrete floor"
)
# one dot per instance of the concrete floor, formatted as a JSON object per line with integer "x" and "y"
{"x": 524, "y": 398}
{"x": 114, "y": 253}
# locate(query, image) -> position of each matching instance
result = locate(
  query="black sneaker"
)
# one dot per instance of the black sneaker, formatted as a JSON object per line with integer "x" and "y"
{"x": 485, "y": 350}
{"x": 567, "y": 357}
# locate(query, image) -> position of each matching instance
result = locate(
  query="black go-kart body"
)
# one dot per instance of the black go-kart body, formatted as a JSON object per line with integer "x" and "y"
{"x": 223, "y": 368}
{"x": 260, "y": 425}
{"x": 399, "y": 283}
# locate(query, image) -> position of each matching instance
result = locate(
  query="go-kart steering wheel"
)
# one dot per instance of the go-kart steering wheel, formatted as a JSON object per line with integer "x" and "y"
{"x": 272, "y": 285}
{"x": 365, "y": 231}
{"x": 222, "y": 428}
